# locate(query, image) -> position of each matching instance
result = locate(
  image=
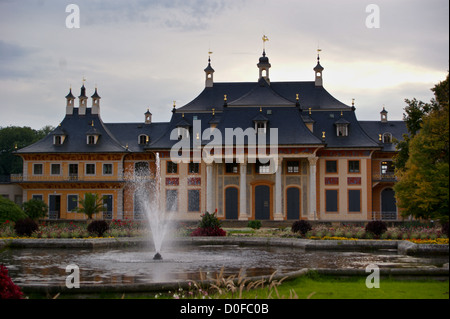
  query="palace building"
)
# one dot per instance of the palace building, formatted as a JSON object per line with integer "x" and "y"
{"x": 321, "y": 162}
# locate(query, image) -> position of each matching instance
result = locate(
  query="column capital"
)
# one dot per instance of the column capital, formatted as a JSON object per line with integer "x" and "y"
{"x": 312, "y": 160}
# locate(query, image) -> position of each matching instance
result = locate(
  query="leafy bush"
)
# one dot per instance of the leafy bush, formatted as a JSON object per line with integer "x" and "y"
{"x": 255, "y": 224}
{"x": 209, "y": 221}
{"x": 10, "y": 211}
{"x": 376, "y": 227}
{"x": 444, "y": 229}
{"x": 208, "y": 231}
{"x": 301, "y": 226}
{"x": 8, "y": 290}
{"x": 209, "y": 226}
{"x": 98, "y": 227}
{"x": 25, "y": 227}
{"x": 35, "y": 208}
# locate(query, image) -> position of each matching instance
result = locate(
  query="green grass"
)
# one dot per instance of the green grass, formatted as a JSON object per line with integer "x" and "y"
{"x": 312, "y": 286}
{"x": 327, "y": 287}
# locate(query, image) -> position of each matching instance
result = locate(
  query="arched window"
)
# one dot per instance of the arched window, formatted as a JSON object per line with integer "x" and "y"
{"x": 143, "y": 139}
{"x": 387, "y": 138}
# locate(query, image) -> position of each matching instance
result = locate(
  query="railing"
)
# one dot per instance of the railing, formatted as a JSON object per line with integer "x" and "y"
{"x": 387, "y": 177}
{"x": 65, "y": 178}
{"x": 384, "y": 216}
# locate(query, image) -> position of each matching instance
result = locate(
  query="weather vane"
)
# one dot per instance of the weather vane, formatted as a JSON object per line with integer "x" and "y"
{"x": 264, "y": 38}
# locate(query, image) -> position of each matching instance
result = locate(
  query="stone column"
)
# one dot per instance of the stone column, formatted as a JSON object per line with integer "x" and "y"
{"x": 278, "y": 196}
{"x": 312, "y": 187}
{"x": 209, "y": 188}
{"x": 243, "y": 191}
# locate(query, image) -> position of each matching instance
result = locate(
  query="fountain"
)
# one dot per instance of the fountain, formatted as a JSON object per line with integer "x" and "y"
{"x": 147, "y": 199}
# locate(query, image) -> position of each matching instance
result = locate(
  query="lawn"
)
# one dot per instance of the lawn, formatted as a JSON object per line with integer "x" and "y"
{"x": 328, "y": 287}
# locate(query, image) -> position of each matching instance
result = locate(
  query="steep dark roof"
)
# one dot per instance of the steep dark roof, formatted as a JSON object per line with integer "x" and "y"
{"x": 374, "y": 128}
{"x": 253, "y": 94}
{"x": 76, "y": 129}
{"x": 325, "y": 121}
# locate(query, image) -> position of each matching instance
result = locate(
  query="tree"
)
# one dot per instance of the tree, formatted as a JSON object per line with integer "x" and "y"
{"x": 10, "y": 211}
{"x": 90, "y": 205}
{"x": 423, "y": 187}
{"x": 13, "y": 137}
{"x": 35, "y": 208}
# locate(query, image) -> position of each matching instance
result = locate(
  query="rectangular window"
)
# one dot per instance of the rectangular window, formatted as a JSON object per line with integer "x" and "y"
{"x": 387, "y": 167}
{"x": 231, "y": 168}
{"x": 194, "y": 168}
{"x": 56, "y": 169}
{"x": 331, "y": 166}
{"x": 193, "y": 200}
{"x": 172, "y": 168}
{"x": 353, "y": 166}
{"x": 331, "y": 197}
{"x": 90, "y": 169}
{"x": 72, "y": 202}
{"x": 263, "y": 168}
{"x": 354, "y": 200}
{"x": 171, "y": 200}
{"x": 107, "y": 169}
{"x": 38, "y": 169}
{"x": 38, "y": 197}
{"x": 293, "y": 167}
{"x": 73, "y": 171}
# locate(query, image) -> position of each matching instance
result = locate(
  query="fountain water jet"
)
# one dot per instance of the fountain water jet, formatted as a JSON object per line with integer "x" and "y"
{"x": 147, "y": 199}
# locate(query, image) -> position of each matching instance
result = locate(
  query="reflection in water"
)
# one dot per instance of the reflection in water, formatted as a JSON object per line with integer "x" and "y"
{"x": 136, "y": 265}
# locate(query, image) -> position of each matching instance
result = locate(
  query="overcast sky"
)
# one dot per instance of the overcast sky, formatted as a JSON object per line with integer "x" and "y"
{"x": 146, "y": 54}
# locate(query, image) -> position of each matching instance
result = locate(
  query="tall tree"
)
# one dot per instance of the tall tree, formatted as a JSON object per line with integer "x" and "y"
{"x": 423, "y": 186}
{"x": 13, "y": 137}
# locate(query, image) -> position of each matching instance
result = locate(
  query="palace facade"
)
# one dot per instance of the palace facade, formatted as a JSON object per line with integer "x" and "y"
{"x": 321, "y": 162}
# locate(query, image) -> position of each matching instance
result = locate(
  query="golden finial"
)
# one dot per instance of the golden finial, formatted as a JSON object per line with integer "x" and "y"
{"x": 174, "y": 104}
{"x": 309, "y": 110}
{"x": 342, "y": 113}
{"x": 260, "y": 109}
{"x": 264, "y": 38}
{"x": 92, "y": 123}
{"x": 323, "y": 134}
{"x": 213, "y": 111}
{"x": 353, "y": 102}
{"x": 296, "y": 96}
{"x": 224, "y": 97}
{"x": 379, "y": 137}
{"x": 83, "y": 79}
{"x": 182, "y": 114}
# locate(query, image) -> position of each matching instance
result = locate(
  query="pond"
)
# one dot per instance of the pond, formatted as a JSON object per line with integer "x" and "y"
{"x": 136, "y": 265}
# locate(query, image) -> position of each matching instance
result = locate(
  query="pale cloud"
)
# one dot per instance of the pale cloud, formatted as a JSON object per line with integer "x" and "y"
{"x": 144, "y": 54}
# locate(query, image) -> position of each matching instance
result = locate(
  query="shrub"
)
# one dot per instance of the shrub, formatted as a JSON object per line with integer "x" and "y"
{"x": 209, "y": 221}
{"x": 376, "y": 227}
{"x": 208, "y": 231}
{"x": 35, "y": 208}
{"x": 98, "y": 227}
{"x": 25, "y": 227}
{"x": 209, "y": 226}
{"x": 10, "y": 211}
{"x": 301, "y": 226}
{"x": 444, "y": 229}
{"x": 8, "y": 290}
{"x": 255, "y": 224}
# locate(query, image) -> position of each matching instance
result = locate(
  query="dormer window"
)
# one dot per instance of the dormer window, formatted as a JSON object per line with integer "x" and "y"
{"x": 260, "y": 123}
{"x": 58, "y": 139}
{"x": 59, "y": 135}
{"x": 144, "y": 139}
{"x": 342, "y": 130}
{"x": 91, "y": 139}
{"x": 342, "y": 126}
{"x": 183, "y": 132}
{"x": 261, "y": 127}
{"x": 387, "y": 138}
